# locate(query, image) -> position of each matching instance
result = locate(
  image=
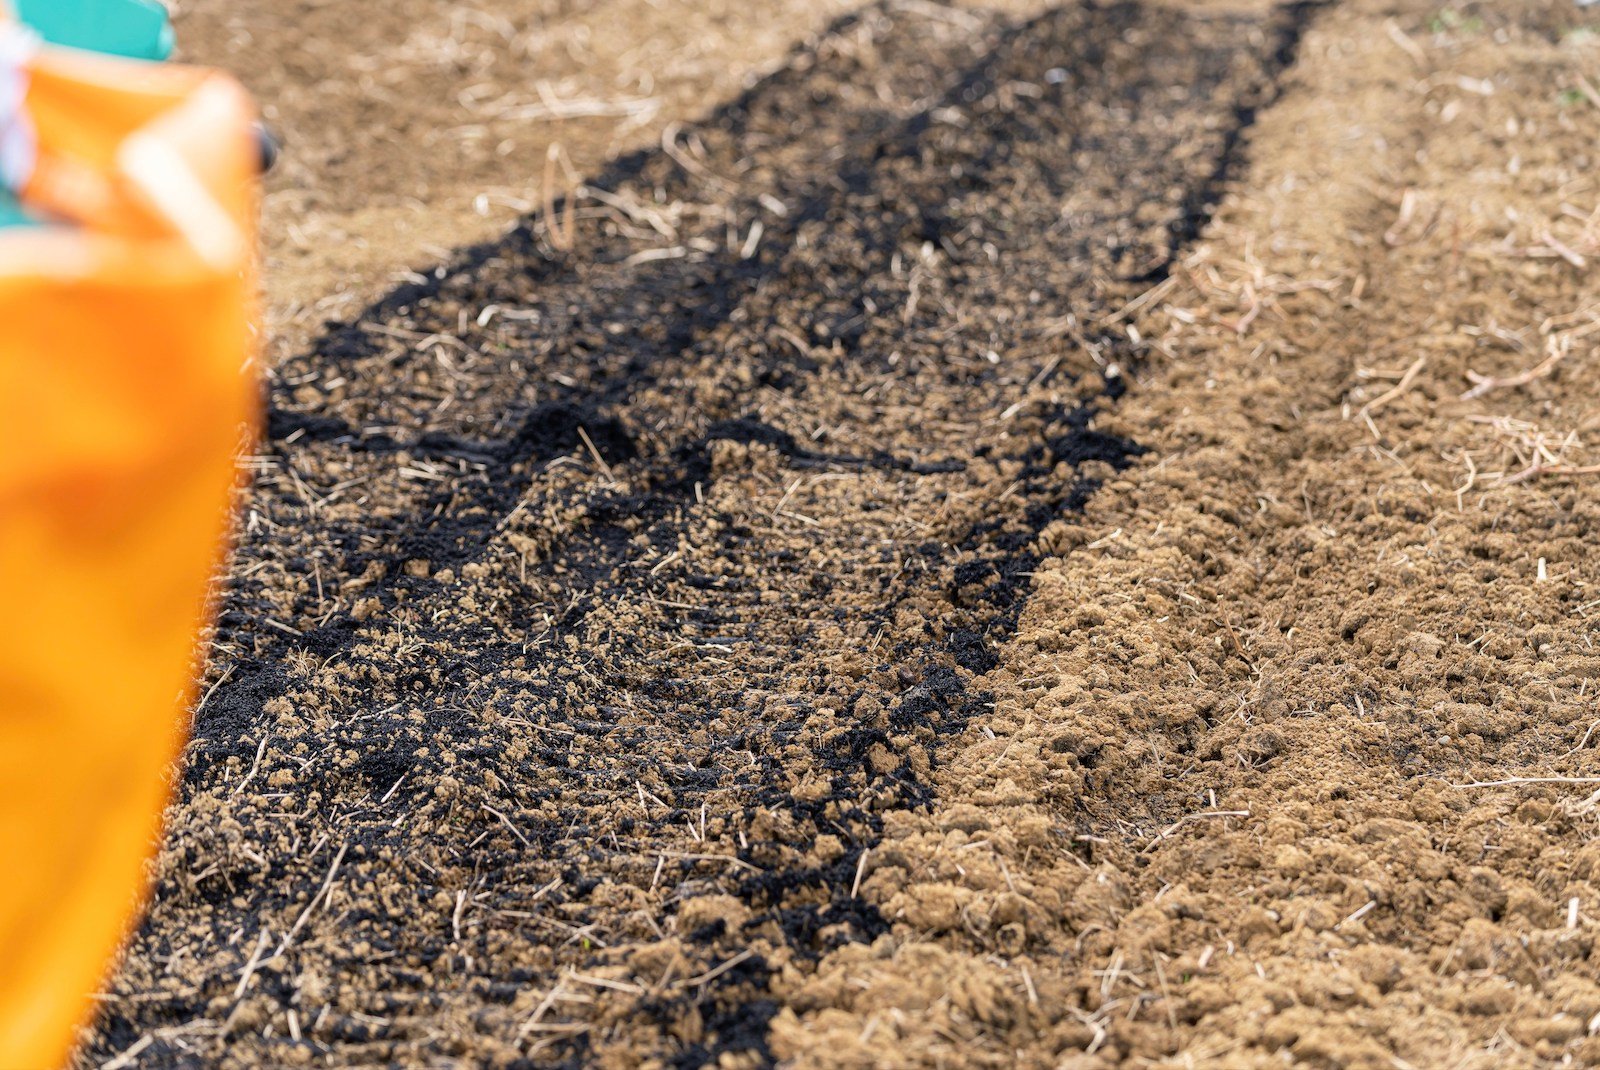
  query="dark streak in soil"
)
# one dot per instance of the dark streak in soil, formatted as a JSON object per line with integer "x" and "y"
{"x": 672, "y": 561}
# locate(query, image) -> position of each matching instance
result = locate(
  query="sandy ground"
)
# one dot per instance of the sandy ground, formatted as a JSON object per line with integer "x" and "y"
{"x": 1054, "y": 541}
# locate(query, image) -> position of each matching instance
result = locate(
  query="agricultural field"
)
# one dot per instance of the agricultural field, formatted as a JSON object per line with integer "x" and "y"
{"x": 1047, "y": 535}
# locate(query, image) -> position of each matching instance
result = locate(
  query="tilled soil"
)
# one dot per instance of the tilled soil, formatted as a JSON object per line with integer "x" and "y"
{"x": 897, "y": 576}
{"x": 1309, "y": 691}
{"x": 412, "y": 128}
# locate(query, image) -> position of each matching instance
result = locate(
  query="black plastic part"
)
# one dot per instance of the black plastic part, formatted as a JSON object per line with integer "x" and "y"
{"x": 268, "y": 146}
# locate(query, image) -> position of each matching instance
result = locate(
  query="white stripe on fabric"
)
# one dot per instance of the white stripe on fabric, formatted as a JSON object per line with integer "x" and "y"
{"x": 18, "y": 146}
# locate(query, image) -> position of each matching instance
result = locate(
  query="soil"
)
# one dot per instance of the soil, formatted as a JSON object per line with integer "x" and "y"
{"x": 412, "y": 128}
{"x": 1021, "y": 540}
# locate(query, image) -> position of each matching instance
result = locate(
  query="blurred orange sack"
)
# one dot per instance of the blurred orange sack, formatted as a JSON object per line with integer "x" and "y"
{"x": 126, "y": 391}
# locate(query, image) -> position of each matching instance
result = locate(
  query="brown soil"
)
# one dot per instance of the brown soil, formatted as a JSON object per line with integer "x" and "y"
{"x": 413, "y": 127}
{"x": 973, "y": 555}
{"x": 1242, "y": 800}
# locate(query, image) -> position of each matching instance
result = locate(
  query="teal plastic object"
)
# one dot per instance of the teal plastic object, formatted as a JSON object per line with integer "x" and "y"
{"x": 137, "y": 29}
{"x": 11, "y": 213}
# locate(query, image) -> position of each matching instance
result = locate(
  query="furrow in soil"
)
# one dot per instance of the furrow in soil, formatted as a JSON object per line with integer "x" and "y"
{"x": 601, "y": 595}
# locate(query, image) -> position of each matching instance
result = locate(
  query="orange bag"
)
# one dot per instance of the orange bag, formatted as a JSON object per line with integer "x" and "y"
{"x": 125, "y": 393}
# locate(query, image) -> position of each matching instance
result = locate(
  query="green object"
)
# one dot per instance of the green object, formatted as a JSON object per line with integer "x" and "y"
{"x": 137, "y": 29}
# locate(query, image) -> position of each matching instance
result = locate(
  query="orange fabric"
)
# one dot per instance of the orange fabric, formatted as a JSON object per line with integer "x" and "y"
{"x": 124, "y": 396}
